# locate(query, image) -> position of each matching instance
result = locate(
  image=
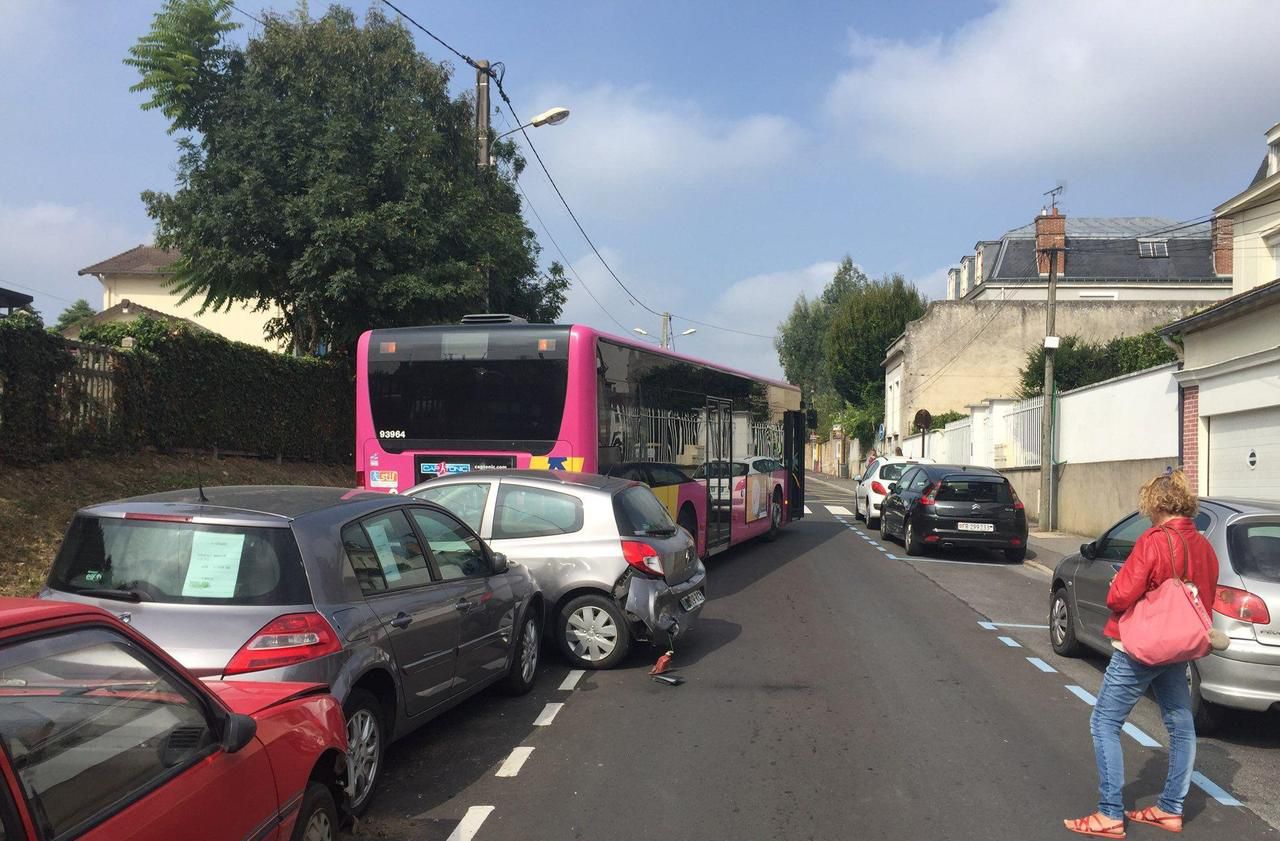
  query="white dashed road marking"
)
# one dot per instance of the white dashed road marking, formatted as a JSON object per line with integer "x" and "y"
{"x": 547, "y": 715}
{"x": 806, "y": 510}
{"x": 839, "y": 510}
{"x": 991, "y": 626}
{"x": 513, "y": 763}
{"x": 1040, "y": 664}
{"x": 470, "y": 823}
{"x": 571, "y": 680}
{"x": 1010, "y": 641}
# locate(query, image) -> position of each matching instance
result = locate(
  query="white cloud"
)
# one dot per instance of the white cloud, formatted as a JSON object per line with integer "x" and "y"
{"x": 933, "y": 285}
{"x": 1059, "y": 83}
{"x": 627, "y": 149}
{"x": 43, "y": 245}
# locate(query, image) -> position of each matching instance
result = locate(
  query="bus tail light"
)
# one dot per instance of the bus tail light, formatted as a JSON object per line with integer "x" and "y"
{"x": 285, "y": 641}
{"x": 878, "y": 488}
{"x": 1241, "y": 605}
{"x": 643, "y": 558}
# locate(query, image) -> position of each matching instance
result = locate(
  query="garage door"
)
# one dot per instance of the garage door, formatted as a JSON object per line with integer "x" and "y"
{"x": 1244, "y": 454}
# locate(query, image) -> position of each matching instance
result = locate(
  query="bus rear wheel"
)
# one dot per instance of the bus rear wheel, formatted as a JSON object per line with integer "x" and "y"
{"x": 689, "y": 522}
{"x": 775, "y": 516}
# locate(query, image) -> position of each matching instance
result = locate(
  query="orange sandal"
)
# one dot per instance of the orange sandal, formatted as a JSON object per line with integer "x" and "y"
{"x": 1164, "y": 820}
{"x": 1097, "y": 825}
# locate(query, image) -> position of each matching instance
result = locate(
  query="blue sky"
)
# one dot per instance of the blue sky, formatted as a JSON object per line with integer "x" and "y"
{"x": 722, "y": 155}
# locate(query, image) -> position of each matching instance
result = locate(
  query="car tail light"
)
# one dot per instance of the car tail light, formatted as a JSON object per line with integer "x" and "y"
{"x": 1015, "y": 541}
{"x": 876, "y": 487}
{"x": 1017, "y": 503}
{"x": 285, "y": 641}
{"x": 1242, "y": 605}
{"x": 930, "y": 496}
{"x": 933, "y": 538}
{"x": 158, "y": 518}
{"x": 642, "y": 557}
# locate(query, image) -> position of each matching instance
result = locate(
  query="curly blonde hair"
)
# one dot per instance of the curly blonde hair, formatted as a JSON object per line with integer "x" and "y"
{"x": 1168, "y": 495}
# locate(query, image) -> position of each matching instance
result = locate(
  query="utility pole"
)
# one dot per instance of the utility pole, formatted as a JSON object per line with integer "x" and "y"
{"x": 482, "y": 114}
{"x": 666, "y": 330}
{"x": 1048, "y": 520}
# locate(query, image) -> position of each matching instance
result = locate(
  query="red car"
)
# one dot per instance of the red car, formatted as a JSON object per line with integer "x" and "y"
{"x": 104, "y": 736}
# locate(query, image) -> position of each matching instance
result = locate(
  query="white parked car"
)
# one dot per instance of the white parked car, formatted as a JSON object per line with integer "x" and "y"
{"x": 873, "y": 485}
{"x": 722, "y": 475}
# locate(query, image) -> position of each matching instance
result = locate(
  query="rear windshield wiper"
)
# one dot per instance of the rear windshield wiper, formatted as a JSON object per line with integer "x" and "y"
{"x": 117, "y": 594}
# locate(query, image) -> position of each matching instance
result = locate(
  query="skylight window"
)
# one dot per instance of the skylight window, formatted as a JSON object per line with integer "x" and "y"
{"x": 1153, "y": 248}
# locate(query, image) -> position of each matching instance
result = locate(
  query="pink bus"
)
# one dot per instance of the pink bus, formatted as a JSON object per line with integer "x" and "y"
{"x": 495, "y": 392}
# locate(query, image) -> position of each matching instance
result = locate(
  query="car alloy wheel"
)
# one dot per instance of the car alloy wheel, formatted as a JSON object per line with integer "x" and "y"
{"x": 364, "y": 743}
{"x": 319, "y": 828}
{"x": 1059, "y": 620}
{"x": 591, "y": 634}
{"x": 529, "y": 650}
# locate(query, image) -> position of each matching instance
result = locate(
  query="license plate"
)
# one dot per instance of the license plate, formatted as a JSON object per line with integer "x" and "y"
{"x": 694, "y": 599}
{"x": 977, "y": 527}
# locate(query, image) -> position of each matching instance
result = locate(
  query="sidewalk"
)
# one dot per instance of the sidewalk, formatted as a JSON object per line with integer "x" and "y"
{"x": 1048, "y": 547}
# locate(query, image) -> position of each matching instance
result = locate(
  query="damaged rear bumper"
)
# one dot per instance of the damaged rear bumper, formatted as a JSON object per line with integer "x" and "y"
{"x": 665, "y": 611}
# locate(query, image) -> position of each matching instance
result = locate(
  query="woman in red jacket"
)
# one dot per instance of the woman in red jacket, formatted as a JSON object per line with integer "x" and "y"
{"x": 1171, "y": 541}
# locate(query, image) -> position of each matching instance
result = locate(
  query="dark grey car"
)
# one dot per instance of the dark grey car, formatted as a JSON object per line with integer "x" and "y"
{"x": 1246, "y": 537}
{"x": 392, "y": 602}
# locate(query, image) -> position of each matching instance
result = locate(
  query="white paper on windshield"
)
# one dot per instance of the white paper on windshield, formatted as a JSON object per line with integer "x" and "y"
{"x": 215, "y": 565}
{"x": 382, "y": 548}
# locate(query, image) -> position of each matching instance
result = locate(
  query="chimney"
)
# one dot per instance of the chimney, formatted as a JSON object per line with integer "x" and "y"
{"x": 953, "y": 284}
{"x": 1051, "y": 232}
{"x": 1223, "y": 245}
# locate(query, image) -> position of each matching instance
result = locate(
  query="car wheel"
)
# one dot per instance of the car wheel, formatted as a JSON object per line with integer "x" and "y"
{"x": 885, "y": 537}
{"x": 775, "y": 516}
{"x": 366, "y": 742}
{"x": 593, "y": 632}
{"x": 1062, "y": 625}
{"x": 1207, "y": 715}
{"x": 524, "y": 658}
{"x": 857, "y": 509}
{"x": 872, "y": 522}
{"x": 1015, "y": 556}
{"x": 318, "y": 817}
{"x": 911, "y": 541}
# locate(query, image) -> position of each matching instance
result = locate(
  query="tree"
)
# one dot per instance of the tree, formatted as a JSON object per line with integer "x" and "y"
{"x": 78, "y": 311}
{"x": 800, "y": 337}
{"x": 1078, "y": 363}
{"x": 328, "y": 173}
{"x": 862, "y": 326}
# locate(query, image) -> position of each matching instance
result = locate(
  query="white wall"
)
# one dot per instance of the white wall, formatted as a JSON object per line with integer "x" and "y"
{"x": 1128, "y": 418}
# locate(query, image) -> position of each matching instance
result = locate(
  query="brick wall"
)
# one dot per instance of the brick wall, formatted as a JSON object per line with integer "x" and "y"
{"x": 1051, "y": 233}
{"x": 1190, "y": 454}
{"x": 1223, "y": 246}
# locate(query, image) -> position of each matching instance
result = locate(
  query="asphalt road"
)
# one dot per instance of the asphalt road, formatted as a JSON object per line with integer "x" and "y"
{"x": 833, "y": 690}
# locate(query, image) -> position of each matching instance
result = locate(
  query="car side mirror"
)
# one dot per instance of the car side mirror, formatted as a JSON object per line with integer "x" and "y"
{"x": 893, "y": 487}
{"x": 238, "y": 732}
{"x": 1089, "y": 550}
{"x": 500, "y": 562}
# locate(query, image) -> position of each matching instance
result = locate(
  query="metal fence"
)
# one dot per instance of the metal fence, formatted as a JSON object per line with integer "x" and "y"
{"x": 1020, "y": 446}
{"x": 957, "y": 442}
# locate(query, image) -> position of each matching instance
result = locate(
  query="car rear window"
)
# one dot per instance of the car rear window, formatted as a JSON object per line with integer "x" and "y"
{"x": 181, "y": 563}
{"x": 638, "y": 511}
{"x": 720, "y": 470}
{"x": 1255, "y": 549}
{"x": 893, "y": 472}
{"x": 974, "y": 490}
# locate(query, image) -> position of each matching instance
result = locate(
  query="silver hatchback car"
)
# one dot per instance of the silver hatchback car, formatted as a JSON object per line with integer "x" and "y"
{"x": 611, "y": 563}
{"x": 1246, "y": 537}
{"x": 393, "y": 603}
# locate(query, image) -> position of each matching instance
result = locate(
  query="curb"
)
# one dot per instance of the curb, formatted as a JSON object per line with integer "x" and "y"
{"x": 1038, "y": 567}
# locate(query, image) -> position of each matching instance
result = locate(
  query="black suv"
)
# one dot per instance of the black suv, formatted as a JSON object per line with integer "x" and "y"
{"x": 953, "y": 505}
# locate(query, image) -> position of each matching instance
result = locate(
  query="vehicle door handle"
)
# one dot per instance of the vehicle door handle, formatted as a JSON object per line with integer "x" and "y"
{"x": 402, "y": 620}
{"x": 464, "y": 605}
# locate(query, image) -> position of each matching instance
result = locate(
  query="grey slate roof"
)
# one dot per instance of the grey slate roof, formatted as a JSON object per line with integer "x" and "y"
{"x": 1106, "y": 249}
{"x": 1261, "y": 174}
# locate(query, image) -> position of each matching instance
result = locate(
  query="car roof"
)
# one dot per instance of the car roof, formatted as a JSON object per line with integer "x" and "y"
{"x": 949, "y": 469}
{"x": 15, "y": 613}
{"x": 277, "y": 503}
{"x": 1244, "y": 506}
{"x": 611, "y": 484}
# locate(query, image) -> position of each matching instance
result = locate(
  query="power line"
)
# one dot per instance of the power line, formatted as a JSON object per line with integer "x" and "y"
{"x": 38, "y": 291}
{"x": 253, "y": 18}
{"x": 468, "y": 59}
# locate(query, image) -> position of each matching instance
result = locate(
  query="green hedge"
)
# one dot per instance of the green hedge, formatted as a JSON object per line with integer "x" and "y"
{"x": 33, "y": 363}
{"x": 186, "y": 390}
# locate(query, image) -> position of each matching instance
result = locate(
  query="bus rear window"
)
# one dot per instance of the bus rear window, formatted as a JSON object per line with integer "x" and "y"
{"x": 181, "y": 563}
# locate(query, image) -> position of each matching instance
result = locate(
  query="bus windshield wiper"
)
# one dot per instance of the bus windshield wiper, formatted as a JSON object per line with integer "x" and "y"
{"x": 114, "y": 593}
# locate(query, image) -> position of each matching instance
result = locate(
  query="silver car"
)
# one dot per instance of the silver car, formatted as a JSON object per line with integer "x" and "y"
{"x": 611, "y": 563}
{"x": 393, "y": 603}
{"x": 1246, "y": 537}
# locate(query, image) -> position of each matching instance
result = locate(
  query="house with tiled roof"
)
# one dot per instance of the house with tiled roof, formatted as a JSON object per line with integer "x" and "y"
{"x": 138, "y": 281}
{"x": 1126, "y": 258}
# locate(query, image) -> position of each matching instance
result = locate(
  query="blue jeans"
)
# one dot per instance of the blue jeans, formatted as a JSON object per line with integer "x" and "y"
{"x": 1123, "y": 684}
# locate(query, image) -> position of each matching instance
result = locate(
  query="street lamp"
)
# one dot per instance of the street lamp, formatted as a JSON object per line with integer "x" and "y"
{"x": 550, "y": 117}
{"x": 640, "y": 330}
{"x": 690, "y": 331}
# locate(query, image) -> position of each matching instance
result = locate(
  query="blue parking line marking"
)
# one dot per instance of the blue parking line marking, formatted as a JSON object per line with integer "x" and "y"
{"x": 1139, "y": 736}
{"x": 1214, "y": 790}
{"x": 1083, "y": 694}
{"x": 1040, "y": 664}
{"x": 989, "y": 626}
{"x": 1010, "y": 641}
